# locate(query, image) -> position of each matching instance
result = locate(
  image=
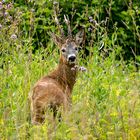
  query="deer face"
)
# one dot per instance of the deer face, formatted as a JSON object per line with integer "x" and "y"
{"x": 69, "y": 52}
{"x": 69, "y": 46}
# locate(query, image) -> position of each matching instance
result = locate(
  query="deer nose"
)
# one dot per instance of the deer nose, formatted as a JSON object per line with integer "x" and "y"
{"x": 72, "y": 58}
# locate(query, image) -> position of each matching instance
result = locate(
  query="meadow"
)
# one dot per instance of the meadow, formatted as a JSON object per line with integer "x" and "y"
{"x": 105, "y": 99}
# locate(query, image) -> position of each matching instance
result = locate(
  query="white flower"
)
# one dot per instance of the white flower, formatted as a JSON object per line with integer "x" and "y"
{"x": 0, "y": 26}
{"x": 13, "y": 36}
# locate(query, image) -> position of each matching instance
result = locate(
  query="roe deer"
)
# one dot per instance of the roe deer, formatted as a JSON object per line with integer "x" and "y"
{"x": 55, "y": 89}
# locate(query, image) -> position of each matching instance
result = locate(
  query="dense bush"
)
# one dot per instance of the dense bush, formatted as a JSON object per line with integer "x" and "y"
{"x": 109, "y": 24}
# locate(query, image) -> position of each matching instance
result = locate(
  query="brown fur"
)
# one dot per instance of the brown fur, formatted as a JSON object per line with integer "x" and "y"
{"x": 53, "y": 90}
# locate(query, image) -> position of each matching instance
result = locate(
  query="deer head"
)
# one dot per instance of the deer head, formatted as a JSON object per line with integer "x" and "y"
{"x": 68, "y": 44}
{"x": 68, "y": 47}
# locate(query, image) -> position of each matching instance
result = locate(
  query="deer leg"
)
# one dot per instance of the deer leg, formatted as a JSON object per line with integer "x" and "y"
{"x": 57, "y": 113}
{"x": 60, "y": 108}
{"x": 67, "y": 103}
{"x": 38, "y": 116}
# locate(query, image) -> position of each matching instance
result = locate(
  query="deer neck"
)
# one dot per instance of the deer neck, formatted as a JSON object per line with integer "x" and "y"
{"x": 64, "y": 75}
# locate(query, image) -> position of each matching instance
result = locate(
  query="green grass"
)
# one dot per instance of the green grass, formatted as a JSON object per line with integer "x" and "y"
{"x": 106, "y": 99}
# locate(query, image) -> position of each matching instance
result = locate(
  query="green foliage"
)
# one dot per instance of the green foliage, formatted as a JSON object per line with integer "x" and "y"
{"x": 114, "y": 23}
{"x": 105, "y": 98}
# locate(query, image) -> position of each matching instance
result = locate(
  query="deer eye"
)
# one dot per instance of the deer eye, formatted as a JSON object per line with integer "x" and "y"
{"x": 76, "y": 48}
{"x": 63, "y": 50}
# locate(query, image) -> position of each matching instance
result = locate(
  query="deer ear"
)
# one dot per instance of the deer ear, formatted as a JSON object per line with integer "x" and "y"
{"x": 80, "y": 37}
{"x": 57, "y": 40}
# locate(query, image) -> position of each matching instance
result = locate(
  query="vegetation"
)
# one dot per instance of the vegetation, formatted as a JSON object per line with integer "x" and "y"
{"x": 106, "y": 98}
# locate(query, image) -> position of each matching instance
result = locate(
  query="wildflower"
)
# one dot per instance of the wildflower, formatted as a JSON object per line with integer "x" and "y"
{"x": 55, "y": 3}
{"x": 33, "y": 10}
{"x": 89, "y": 29}
{"x": 90, "y": 19}
{"x": 6, "y": 13}
{"x": 13, "y": 36}
{"x": 0, "y": 26}
{"x": 9, "y": 5}
{"x": 3, "y": 1}
{"x": 19, "y": 13}
{"x": 10, "y": 18}
{"x": 1, "y": 5}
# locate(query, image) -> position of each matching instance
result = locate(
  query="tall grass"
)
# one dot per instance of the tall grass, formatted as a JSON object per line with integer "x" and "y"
{"x": 106, "y": 98}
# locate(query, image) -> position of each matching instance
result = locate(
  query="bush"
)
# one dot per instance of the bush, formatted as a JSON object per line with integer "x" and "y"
{"x": 109, "y": 25}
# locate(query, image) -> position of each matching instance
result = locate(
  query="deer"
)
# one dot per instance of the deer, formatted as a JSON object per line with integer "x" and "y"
{"x": 55, "y": 89}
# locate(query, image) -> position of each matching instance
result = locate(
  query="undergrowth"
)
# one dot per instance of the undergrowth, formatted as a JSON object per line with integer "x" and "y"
{"x": 106, "y": 99}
